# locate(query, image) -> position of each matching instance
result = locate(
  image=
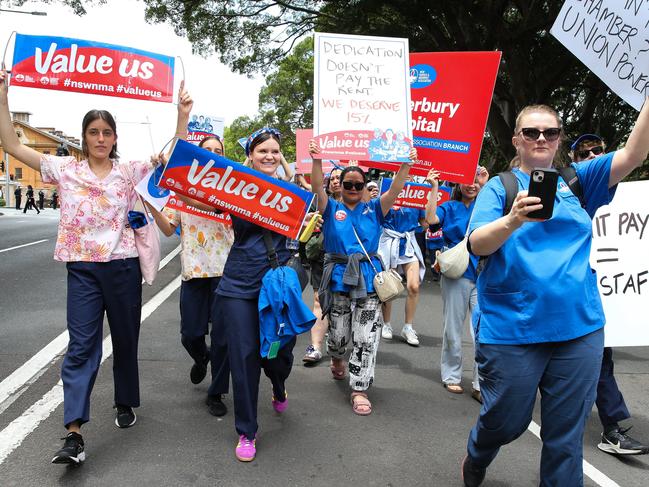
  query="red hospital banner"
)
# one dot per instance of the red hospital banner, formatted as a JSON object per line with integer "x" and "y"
{"x": 450, "y": 98}
{"x": 61, "y": 63}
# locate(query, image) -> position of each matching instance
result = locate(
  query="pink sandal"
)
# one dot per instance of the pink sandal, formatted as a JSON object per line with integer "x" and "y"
{"x": 337, "y": 368}
{"x": 363, "y": 406}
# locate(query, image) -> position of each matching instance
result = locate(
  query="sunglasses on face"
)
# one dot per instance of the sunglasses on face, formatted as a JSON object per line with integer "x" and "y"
{"x": 531, "y": 134}
{"x": 348, "y": 185}
{"x": 597, "y": 150}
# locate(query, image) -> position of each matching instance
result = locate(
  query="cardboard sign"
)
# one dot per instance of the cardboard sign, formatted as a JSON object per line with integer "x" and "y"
{"x": 241, "y": 191}
{"x": 61, "y": 63}
{"x": 619, "y": 255}
{"x": 611, "y": 37}
{"x": 362, "y": 97}
{"x": 451, "y": 94}
{"x": 201, "y": 126}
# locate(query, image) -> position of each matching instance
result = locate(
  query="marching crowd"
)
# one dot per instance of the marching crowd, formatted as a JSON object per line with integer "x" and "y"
{"x": 528, "y": 288}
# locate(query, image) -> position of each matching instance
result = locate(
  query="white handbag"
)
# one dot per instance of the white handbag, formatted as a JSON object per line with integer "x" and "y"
{"x": 454, "y": 262}
{"x": 387, "y": 284}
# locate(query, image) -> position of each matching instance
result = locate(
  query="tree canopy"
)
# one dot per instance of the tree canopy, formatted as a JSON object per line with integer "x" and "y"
{"x": 254, "y": 35}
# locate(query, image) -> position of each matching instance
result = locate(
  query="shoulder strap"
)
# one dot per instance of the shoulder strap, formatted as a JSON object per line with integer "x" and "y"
{"x": 364, "y": 251}
{"x": 509, "y": 181}
{"x": 270, "y": 249}
{"x": 569, "y": 175}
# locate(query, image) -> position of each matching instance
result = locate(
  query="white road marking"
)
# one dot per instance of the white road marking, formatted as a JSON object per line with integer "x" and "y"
{"x": 15, "y": 433}
{"x": 19, "y": 380}
{"x": 591, "y": 472}
{"x": 23, "y": 245}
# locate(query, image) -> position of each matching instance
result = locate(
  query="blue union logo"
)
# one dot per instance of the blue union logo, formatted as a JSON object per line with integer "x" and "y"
{"x": 422, "y": 75}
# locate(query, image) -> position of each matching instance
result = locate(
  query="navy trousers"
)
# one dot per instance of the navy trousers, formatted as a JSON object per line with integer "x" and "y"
{"x": 238, "y": 321}
{"x": 197, "y": 298}
{"x": 94, "y": 288}
{"x": 510, "y": 375}
{"x": 610, "y": 403}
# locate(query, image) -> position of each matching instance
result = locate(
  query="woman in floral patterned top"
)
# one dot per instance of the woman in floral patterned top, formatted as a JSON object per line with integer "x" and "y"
{"x": 98, "y": 247}
{"x": 206, "y": 244}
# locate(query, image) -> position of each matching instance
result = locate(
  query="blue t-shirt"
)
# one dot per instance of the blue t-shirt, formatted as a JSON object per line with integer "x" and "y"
{"x": 454, "y": 219}
{"x": 248, "y": 260}
{"x": 339, "y": 237}
{"x": 404, "y": 220}
{"x": 539, "y": 286}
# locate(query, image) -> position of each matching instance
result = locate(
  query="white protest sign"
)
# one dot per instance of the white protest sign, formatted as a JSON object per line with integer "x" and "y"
{"x": 620, "y": 257}
{"x": 362, "y": 97}
{"x": 151, "y": 193}
{"x": 611, "y": 37}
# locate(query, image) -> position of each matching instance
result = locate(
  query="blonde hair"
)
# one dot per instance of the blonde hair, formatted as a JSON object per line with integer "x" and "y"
{"x": 537, "y": 109}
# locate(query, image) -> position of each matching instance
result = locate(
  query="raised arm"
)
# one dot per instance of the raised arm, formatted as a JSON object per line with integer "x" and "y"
{"x": 635, "y": 151}
{"x": 389, "y": 197}
{"x": 10, "y": 142}
{"x": 185, "y": 105}
{"x": 432, "y": 178}
{"x": 317, "y": 178}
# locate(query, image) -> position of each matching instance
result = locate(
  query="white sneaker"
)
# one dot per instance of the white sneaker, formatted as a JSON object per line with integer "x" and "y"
{"x": 410, "y": 336}
{"x": 386, "y": 331}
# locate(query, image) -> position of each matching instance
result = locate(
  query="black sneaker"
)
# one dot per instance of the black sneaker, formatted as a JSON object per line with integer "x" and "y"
{"x": 215, "y": 405}
{"x": 72, "y": 452}
{"x": 125, "y": 416}
{"x": 472, "y": 475}
{"x": 617, "y": 442}
{"x": 199, "y": 370}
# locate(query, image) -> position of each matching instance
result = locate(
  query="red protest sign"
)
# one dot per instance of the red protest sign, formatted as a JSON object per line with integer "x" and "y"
{"x": 303, "y": 160}
{"x": 414, "y": 195}
{"x": 176, "y": 203}
{"x": 241, "y": 191}
{"x": 450, "y": 98}
{"x": 61, "y": 63}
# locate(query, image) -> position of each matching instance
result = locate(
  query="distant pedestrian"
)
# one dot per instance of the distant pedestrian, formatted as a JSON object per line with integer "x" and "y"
{"x": 41, "y": 199}
{"x": 31, "y": 202}
{"x": 18, "y": 196}
{"x": 55, "y": 199}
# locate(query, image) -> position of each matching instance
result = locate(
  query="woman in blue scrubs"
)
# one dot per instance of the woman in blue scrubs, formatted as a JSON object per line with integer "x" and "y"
{"x": 458, "y": 295}
{"x": 347, "y": 291}
{"x": 540, "y": 321}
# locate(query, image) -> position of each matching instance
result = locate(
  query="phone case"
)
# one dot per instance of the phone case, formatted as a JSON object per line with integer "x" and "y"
{"x": 543, "y": 184}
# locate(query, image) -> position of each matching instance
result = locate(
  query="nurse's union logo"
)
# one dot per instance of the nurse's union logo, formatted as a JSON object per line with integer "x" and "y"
{"x": 341, "y": 215}
{"x": 563, "y": 187}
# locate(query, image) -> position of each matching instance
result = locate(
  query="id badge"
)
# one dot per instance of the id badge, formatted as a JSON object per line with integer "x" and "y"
{"x": 274, "y": 348}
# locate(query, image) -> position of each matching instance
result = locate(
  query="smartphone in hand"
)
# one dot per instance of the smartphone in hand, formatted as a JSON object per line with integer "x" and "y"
{"x": 543, "y": 184}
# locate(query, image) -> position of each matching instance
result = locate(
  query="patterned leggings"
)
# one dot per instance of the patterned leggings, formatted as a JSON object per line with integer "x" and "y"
{"x": 361, "y": 320}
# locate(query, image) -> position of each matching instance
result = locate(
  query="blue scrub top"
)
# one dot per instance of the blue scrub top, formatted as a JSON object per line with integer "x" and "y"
{"x": 454, "y": 219}
{"x": 339, "y": 237}
{"x": 539, "y": 286}
{"x": 248, "y": 260}
{"x": 404, "y": 220}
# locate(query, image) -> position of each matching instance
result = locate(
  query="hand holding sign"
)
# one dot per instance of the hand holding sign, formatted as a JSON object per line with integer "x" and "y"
{"x": 185, "y": 102}
{"x": 432, "y": 178}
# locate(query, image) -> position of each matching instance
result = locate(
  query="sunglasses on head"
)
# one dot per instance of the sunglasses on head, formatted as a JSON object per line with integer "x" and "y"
{"x": 348, "y": 185}
{"x": 597, "y": 150}
{"x": 550, "y": 134}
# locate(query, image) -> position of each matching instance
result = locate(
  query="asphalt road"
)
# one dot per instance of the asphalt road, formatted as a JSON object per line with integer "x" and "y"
{"x": 415, "y": 437}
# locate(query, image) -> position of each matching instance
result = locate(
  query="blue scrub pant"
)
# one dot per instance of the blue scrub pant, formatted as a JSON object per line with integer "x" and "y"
{"x": 566, "y": 375}
{"x": 197, "y": 298}
{"x": 94, "y": 288}
{"x": 238, "y": 321}
{"x": 610, "y": 403}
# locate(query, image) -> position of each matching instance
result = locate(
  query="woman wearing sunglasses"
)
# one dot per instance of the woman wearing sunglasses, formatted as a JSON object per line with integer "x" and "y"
{"x": 351, "y": 229}
{"x": 540, "y": 321}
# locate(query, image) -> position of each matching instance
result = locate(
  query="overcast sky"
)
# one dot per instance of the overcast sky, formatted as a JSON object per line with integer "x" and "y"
{"x": 215, "y": 89}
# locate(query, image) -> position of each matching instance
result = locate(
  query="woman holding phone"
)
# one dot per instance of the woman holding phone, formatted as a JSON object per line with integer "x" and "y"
{"x": 540, "y": 321}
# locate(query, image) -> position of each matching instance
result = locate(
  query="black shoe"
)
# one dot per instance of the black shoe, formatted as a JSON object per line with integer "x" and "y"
{"x": 617, "y": 442}
{"x": 72, "y": 452}
{"x": 199, "y": 370}
{"x": 215, "y": 405}
{"x": 472, "y": 475}
{"x": 125, "y": 416}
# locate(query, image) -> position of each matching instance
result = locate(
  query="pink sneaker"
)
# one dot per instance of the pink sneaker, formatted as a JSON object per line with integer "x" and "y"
{"x": 280, "y": 407}
{"x": 246, "y": 449}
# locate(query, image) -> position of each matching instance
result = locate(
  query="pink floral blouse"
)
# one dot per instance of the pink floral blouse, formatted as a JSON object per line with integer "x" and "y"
{"x": 93, "y": 211}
